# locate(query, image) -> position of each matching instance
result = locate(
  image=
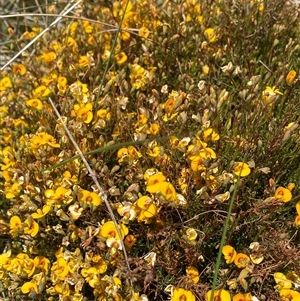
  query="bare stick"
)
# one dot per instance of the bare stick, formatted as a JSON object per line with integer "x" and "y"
{"x": 40, "y": 34}
{"x": 102, "y": 194}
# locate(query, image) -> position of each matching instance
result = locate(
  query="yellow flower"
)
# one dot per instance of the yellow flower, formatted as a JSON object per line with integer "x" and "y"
{"x": 241, "y": 169}
{"x": 29, "y": 287}
{"x": 153, "y": 129}
{"x": 49, "y": 139}
{"x": 15, "y": 224}
{"x": 149, "y": 209}
{"x": 283, "y": 194}
{"x": 62, "y": 84}
{"x": 70, "y": 42}
{"x": 127, "y": 211}
{"x": 121, "y": 58}
{"x": 291, "y": 186}
{"x": 289, "y": 295}
{"x": 191, "y": 234}
{"x": 89, "y": 198}
{"x": 168, "y": 191}
{"x": 26, "y": 263}
{"x": 169, "y": 105}
{"x": 144, "y": 32}
{"x": 241, "y": 260}
{"x": 47, "y": 80}
{"x": 229, "y": 253}
{"x": 31, "y": 227}
{"x": 43, "y": 138}
{"x": 62, "y": 289}
{"x": 153, "y": 183}
{"x": 88, "y": 28}
{"x": 119, "y": 9}
{"x": 290, "y": 77}
{"x": 41, "y": 91}
{"x": 133, "y": 153}
{"x": 269, "y": 93}
{"x": 84, "y": 61}
{"x": 60, "y": 268}
{"x": 219, "y": 295}
{"x": 42, "y": 263}
{"x": 72, "y": 27}
{"x": 105, "y": 56}
{"x": 109, "y": 230}
{"x": 47, "y": 57}
{"x": 59, "y": 194}
{"x": 12, "y": 191}
{"x": 5, "y": 83}
{"x": 104, "y": 114}
{"x": 139, "y": 77}
{"x": 196, "y": 163}
{"x": 129, "y": 241}
{"x": 5, "y": 260}
{"x": 210, "y": 35}
{"x": 242, "y": 297}
{"x": 180, "y": 294}
{"x": 122, "y": 154}
{"x": 207, "y": 153}
{"x": 281, "y": 281}
{"x": 41, "y": 213}
{"x": 153, "y": 150}
{"x": 35, "y": 103}
{"x": 298, "y": 208}
{"x": 83, "y": 112}
{"x": 205, "y": 70}
{"x": 210, "y": 134}
{"x": 142, "y": 119}
{"x": 19, "y": 69}
{"x": 88, "y": 273}
{"x": 297, "y": 220}
{"x": 192, "y": 273}
{"x": 124, "y": 35}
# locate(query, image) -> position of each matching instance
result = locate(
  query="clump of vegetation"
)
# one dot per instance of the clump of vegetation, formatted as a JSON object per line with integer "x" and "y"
{"x": 187, "y": 113}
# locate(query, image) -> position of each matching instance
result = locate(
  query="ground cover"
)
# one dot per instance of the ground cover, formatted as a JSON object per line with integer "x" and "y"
{"x": 187, "y": 114}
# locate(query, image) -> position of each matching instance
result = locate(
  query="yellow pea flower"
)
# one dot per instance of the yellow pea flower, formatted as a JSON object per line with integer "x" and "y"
{"x": 19, "y": 69}
{"x": 283, "y": 194}
{"x": 5, "y": 83}
{"x": 41, "y": 91}
{"x": 109, "y": 230}
{"x": 29, "y": 287}
{"x": 35, "y": 103}
{"x": 241, "y": 260}
{"x": 47, "y": 57}
{"x": 121, "y": 58}
{"x": 89, "y": 198}
{"x": 192, "y": 273}
{"x": 31, "y": 227}
{"x": 210, "y": 35}
{"x": 281, "y": 281}
{"x": 220, "y": 295}
{"x": 182, "y": 294}
{"x": 229, "y": 253}
{"x": 290, "y": 295}
{"x": 60, "y": 268}
{"x": 15, "y": 225}
{"x": 291, "y": 77}
{"x": 41, "y": 213}
{"x": 146, "y": 204}
{"x": 144, "y": 32}
{"x": 241, "y": 169}
{"x": 242, "y": 297}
